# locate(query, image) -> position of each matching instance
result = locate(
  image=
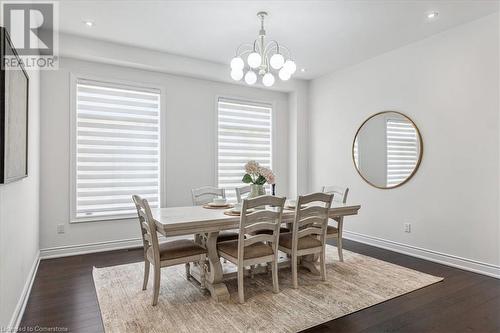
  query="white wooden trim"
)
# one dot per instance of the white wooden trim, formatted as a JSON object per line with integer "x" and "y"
{"x": 73, "y": 78}
{"x": 23, "y": 299}
{"x": 163, "y": 146}
{"x": 430, "y": 255}
{"x": 73, "y": 250}
{"x": 72, "y": 145}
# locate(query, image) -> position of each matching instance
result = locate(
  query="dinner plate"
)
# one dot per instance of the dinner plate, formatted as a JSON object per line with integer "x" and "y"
{"x": 238, "y": 211}
{"x": 213, "y": 204}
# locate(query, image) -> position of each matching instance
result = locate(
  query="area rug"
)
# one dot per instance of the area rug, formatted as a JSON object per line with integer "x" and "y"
{"x": 356, "y": 283}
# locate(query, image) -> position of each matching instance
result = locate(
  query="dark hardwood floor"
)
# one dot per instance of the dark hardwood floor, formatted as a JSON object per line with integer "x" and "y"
{"x": 63, "y": 295}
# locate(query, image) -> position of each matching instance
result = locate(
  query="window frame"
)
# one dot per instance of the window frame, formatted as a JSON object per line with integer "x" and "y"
{"x": 74, "y": 78}
{"x": 249, "y": 100}
{"x": 418, "y": 146}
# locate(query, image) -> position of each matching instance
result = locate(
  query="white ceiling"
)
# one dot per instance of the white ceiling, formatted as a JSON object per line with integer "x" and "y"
{"x": 323, "y": 35}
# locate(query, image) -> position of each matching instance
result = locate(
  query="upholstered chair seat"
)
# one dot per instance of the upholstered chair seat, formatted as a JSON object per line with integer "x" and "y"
{"x": 306, "y": 242}
{"x": 331, "y": 230}
{"x": 269, "y": 232}
{"x": 255, "y": 250}
{"x": 227, "y": 235}
{"x": 177, "y": 249}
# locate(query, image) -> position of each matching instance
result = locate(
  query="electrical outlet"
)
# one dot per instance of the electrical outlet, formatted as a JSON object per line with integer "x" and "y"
{"x": 60, "y": 228}
{"x": 407, "y": 227}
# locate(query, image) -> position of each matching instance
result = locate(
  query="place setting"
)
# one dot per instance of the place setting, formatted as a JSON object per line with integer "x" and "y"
{"x": 291, "y": 204}
{"x": 218, "y": 203}
{"x": 235, "y": 210}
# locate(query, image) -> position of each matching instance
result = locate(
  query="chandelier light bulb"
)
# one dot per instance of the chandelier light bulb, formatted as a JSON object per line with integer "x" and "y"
{"x": 250, "y": 77}
{"x": 290, "y": 66}
{"x": 268, "y": 79}
{"x": 236, "y": 74}
{"x": 254, "y": 60}
{"x": 237, "y": 63}
{"x": 277, "y": 61}
{"x": 284, "y": 74}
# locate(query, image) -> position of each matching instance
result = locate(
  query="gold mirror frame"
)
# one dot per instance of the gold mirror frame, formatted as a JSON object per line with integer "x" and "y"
{"x": 421, "y": 150}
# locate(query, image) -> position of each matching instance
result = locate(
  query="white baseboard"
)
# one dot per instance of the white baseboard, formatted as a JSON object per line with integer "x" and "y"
{"x": 23, "y": 299}
{"x": 73, "y": 250}
{"x": 438, "y": 257}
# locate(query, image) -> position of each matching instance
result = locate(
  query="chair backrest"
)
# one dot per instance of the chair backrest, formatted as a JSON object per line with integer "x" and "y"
{"x": 206, "y": 194}
{"x": 311, "y": 217}
{"x": 148, "y": 226}
{"x": 339, "y": 196}
{"x": 260, "y": 219}
{"x": 339, "y": 193}
{"x": 240, "y": 191}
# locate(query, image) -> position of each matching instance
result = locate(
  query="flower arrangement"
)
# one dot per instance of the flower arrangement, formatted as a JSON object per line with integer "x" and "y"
{"x": 257, "y": 174}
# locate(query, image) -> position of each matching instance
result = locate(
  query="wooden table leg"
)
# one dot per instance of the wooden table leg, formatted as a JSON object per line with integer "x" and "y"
{"x": 214, "y": 282}
{"x": 308, "y": 262}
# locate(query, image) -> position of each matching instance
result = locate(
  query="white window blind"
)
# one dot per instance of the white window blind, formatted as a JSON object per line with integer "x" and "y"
{"x": 402, "y": 150}
{"x": 244, "y": 133}
{"x": 117, "y": 149}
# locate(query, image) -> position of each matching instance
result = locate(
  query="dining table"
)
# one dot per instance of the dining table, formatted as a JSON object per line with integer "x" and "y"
{"x": 196, "y": 220}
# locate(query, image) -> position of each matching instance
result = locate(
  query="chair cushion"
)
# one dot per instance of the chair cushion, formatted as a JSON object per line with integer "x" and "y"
{"x": 269, "y": 232}
{"x": 254, "y": 250}
{"x": 306, "y": 242}
{"x": 331, "y": 230}
{"x": 178, "y": 249}
{"x": 227, "y": 235}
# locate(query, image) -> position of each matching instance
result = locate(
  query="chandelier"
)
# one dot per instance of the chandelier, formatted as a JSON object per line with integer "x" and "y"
{"x": 262, "y": 59}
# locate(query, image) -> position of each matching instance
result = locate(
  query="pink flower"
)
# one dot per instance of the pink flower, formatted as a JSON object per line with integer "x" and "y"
{"x": 252, "y": 167}
{"x": 268, "y": 174}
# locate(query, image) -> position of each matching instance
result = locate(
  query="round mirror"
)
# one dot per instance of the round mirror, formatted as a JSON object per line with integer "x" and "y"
{"x": 387, "y": 149}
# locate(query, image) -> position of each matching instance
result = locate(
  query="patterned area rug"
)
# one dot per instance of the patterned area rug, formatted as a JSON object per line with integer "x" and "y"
{"x": 352, "y": 285}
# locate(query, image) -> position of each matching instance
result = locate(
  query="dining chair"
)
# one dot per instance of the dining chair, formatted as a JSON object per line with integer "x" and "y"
{"x": 252, "y": 249}
{"x": 182, "y": 251}
{"x": 206, "y": 194}
{"x": 339, "y": 196}
{"x": 308, "y": 236}
{"x": 242, "y": 191}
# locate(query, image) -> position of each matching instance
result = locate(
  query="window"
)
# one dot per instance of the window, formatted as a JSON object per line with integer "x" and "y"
{"x": 402, "y": 150}
{"x": 116, "y": 150}
{"x": 244, "y": 133}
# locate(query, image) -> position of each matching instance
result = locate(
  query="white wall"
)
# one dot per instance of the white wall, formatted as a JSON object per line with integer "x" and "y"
{"x": 448, "y": 84}
{"x": 190, "y": 144}
{"x": 298, "y": 103}
{"x": 19, "y": 216}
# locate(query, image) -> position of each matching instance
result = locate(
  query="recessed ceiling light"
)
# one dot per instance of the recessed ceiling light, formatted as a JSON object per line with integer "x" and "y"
{"x": 303, "y": 70}
{"x": 88, "y": 23}
{"x": 432, "y": 15}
